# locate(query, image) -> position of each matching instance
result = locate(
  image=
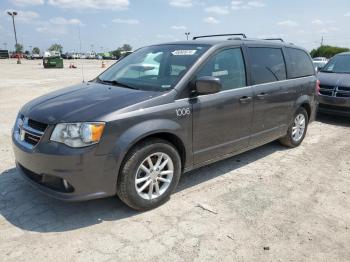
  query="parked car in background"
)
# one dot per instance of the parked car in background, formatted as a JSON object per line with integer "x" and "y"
{"x": 124, "y": 54}
{"x": 4, "y": 54}
{"x": 76, "y": 56}
{"x": 334, "y": 93}
{"x": 16, "y": 55}
{"x": 51, "y": 54}
{"x": 320, "y": 59}
{"x": 67, "y": 55}
{"x": 34, "y": 56}
{"x": 91, "y": 55}
{"x": 319, "y": 65}
{"x": 161, "y": 111}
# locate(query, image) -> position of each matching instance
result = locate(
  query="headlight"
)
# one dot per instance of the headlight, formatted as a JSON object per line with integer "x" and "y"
{"x": 77, "y": 134}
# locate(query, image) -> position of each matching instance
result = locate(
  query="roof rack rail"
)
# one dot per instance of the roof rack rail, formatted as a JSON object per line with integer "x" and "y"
{"x": 205, "y": 36}
{"x": 274, "y": 39}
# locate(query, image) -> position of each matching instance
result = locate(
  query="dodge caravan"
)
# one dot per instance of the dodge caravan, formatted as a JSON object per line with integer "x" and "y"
{"x": 162, "y": 111}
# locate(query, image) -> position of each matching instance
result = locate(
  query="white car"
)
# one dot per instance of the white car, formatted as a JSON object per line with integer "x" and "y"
{"x": 319, "y": 65}
{"x": 320, "y": 59}
{"x": 91, "y": 55}
{"x": 51, "y": 54}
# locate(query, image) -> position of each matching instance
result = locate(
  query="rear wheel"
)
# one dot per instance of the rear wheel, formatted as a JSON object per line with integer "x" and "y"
{"x": 150, "y": 174}
{"x": 296, "y": 130}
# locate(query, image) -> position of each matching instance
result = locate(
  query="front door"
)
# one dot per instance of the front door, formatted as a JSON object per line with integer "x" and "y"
{"x": 222, "y": 121}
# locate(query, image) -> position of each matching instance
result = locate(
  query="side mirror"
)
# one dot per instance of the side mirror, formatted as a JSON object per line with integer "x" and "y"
{"x": 207, "y": 85}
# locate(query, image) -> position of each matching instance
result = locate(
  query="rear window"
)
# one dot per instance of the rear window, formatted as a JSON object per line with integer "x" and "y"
{"x": 267, "y": 65}
{"x": 300, "y": 63}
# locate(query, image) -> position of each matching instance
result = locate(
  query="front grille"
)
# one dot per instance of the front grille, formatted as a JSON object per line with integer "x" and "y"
{"x": 31, "y": 139}
{"x": 343, "y": 91}
{"x": 326, "y": 90}
{"x": 37, "y": 125}
{"x": 49, "y": 181}
{"x": 335, "y": 91}
{"x": 31, "y": 131}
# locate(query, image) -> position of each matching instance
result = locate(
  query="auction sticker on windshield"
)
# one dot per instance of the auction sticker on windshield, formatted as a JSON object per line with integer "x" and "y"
{"x": 184, "y": 52}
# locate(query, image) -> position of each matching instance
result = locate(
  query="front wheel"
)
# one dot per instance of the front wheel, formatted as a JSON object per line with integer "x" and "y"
{"x": 296, "y": 130}
{"x": 150, "y": 174}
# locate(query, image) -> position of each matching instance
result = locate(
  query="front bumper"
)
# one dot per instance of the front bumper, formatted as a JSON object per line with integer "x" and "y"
{"x": 88, "y": 175}
{"x": 334, "y": 105}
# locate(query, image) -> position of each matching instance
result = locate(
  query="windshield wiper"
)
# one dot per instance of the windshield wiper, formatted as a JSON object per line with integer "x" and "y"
{"x": 325, "y": 71}
{"x": 116, "y": 83}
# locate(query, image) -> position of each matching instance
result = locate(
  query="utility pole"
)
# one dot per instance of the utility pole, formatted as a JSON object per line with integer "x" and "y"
{"x": 322, "y": 41}
{"x": 187, "y": 34}
{"x": 13, "y": 14}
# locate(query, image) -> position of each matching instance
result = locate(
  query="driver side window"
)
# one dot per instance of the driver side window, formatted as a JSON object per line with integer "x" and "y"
{"x": 228, "y": 66}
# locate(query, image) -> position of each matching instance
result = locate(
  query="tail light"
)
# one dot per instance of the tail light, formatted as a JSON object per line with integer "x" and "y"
{"x": 317, "y": 88}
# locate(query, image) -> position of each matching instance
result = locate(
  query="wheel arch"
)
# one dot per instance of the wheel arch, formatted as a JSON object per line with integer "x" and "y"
{"x": 307, "y": 107}
{"x": 304, "y": 102}
{"x": 167, "y": 130}
{"x": 168, "y": 137}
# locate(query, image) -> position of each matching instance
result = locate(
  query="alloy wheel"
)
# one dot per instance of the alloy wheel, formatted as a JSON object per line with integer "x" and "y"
{"x": 298, "y": 127}
{"x": 154, "y": 175}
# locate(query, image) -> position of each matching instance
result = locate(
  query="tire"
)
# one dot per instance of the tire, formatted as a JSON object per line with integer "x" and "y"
{"x": 289, "y": 139}
{"x": 135, "y": 167}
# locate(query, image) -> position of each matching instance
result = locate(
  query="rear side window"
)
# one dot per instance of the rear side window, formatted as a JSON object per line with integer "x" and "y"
{"x": 267, "y": 65}
{"x": 300, "y": 63}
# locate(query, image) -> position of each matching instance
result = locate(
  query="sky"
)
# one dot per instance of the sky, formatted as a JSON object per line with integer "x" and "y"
{"x": 107, "y": 24}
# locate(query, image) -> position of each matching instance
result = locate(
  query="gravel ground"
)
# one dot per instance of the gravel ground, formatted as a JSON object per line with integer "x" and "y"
{"x": 269, "y": 204}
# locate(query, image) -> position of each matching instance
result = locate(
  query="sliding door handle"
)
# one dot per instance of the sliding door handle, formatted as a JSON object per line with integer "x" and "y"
{"x": 245, "y": 99}
{"x": 262, "y": 95}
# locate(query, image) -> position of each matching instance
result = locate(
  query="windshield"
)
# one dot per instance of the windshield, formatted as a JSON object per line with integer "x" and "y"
{"x": 153, "y": 68}
{"x": 338, "y": 64}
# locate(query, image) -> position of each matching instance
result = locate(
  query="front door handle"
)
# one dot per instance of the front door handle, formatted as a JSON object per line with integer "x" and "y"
{"x": 245, "y": 99}
{"x": 262, "y": 95}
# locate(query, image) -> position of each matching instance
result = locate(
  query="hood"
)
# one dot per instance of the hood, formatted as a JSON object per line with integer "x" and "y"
{"x": 83, "y": 102}
{"x": 334, "y": 79}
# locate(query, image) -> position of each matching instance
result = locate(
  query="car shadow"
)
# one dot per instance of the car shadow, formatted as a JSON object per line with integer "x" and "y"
{"x": 333, "y": 119}
{"x": 25, "y": 207}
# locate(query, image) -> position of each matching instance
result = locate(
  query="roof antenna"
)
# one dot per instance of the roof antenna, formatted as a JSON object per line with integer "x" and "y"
{"x": 82, "y": 62}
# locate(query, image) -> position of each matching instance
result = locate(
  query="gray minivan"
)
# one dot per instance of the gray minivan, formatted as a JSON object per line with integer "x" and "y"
{"x": 161, "y": 111}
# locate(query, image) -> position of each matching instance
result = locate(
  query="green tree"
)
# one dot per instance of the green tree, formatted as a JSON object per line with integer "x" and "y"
{"x": 118, "y": 52}
{"x": 56, "y": 47}
{"x": 328, "y": 51}
{"x": 19, "y": 48}
{"x": 126, "y": 47}
{"x": 36, "y": 50}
